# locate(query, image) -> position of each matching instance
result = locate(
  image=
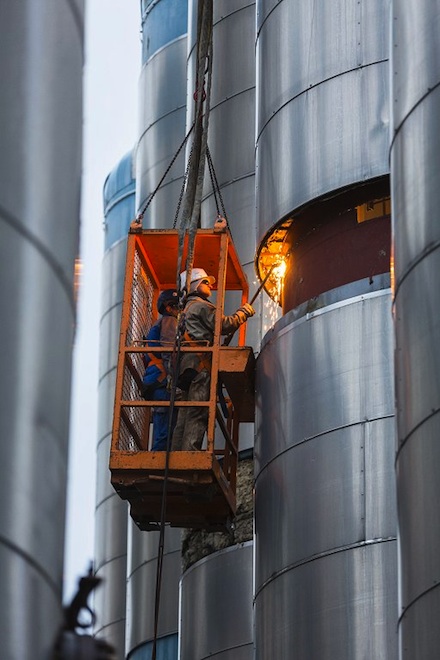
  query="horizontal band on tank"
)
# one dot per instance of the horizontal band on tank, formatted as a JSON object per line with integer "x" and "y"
{"x": 216, "y": 555}
{"x": 414, "y": 601}
{"x": 159, "y": 119}
{"x": 432, "y": 247}
{"x": 401, "y": 444}
{"x": 320, "y": 435}
{"x": 321, "y": 555}
{"x": 17, "y": 226}
{"x": 314, "y": 86}
{"x": 30, "y": 561}
{"x": 408, "y": 114}
{"x": 301, "y": 314}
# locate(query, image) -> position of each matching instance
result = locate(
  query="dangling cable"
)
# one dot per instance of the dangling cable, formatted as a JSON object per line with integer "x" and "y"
{"x": 175, "y": 361}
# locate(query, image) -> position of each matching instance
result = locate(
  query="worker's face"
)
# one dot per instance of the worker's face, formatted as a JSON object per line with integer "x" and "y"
{"x": 204, "y": 289}
{"x": 172, "y": 310}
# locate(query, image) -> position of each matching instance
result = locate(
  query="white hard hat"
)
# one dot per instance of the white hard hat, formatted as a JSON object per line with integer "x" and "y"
{"x": 196, "y": 275}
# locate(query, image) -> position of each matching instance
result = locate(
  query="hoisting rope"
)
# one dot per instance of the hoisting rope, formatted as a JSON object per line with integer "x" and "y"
{"x": 190, "y": 220}
{"x": 190, "y": 197}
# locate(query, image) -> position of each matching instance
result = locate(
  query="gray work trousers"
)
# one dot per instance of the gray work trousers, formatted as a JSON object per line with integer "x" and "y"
{"x": 192, "y": 422}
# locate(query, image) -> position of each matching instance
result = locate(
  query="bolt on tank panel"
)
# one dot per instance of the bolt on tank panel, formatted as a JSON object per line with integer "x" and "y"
{"x": 415, "y": 68}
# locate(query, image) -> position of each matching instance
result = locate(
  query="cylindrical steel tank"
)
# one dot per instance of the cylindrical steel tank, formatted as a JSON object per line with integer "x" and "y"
{"x": 162, "y": 130}
{"x": 41, "y": 60}
{"x": 415, "y": 167}
{"x": 162, "y": 109}
{"x": 322, "y": 101}
{"x": 111, "y": 512}
{"x": 220, "y": 585}
{"x": 325, "y": 574}
{"x": 325, "y": 518}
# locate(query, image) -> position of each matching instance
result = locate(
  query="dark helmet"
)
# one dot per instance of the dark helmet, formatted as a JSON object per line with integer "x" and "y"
{"x": 167, "y": 297}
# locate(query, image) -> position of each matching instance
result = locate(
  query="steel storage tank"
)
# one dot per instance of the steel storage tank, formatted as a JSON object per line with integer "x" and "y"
{"x": 111, "y": 512}
{"x": 415, "y": 166}
{"x": 41, "y": 50}
{"x": 162, "y": 130}
{"x": 218, "y": 567}
{"x": 162, "y": 109}
{"x": 325, "y": 513}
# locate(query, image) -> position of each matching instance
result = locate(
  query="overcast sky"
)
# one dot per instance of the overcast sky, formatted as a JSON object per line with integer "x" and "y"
{"x": 112, "y": 68}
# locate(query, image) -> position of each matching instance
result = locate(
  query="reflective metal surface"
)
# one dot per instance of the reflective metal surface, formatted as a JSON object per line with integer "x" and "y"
{"x": 216, "y": 606}
{"x": 352, "y": 595}
{"x": 141, "y": 585}
{"x": 231, "y": 123}
{"x": 322, "y": 104}
{"x": 415, "y": 163}
{"x": 325, "y": 512}
{"x": 162, "y": 116}
{"x": 41, "y": 59}
{"x": 111, "y": 516}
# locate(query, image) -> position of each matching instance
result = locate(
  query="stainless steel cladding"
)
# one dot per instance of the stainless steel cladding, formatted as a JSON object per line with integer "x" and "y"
{"x": 41, "y": 60}
{"x": 415, "y": 167}
{"x": 325, "y": 518}
{"x": 322, "y": 101}
{"x": 162, "y": 110}
{"x": 141, "y": 589}
{"x": 111, "y": 512}
{"x": 216, "y": 619}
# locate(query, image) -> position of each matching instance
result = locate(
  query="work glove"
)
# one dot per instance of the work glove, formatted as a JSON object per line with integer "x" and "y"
{"x": 245, "y": 311}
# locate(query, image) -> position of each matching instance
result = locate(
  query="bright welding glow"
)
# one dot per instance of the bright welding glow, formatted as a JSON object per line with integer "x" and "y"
{"x": 277, "y": 279}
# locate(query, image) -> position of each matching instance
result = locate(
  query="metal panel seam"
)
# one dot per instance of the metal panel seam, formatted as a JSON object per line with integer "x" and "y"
{"x": 319, "y": 435}
{"x": 148, "y": 562}
{"x": 236, "y": 11}
{"x": 414, "y": 430}
{"x": 432, "y": 247}
{"x": 47, "y": 256}
{"x": 167, "y": 114}
{"x": 321, "y": 555}
{"x": 16, "y": 550}
{"x": 77, "y": 19}
{"x": 421, "y": 595}
{"x": 408, "y": 114}
{"x": 314, "y": 86}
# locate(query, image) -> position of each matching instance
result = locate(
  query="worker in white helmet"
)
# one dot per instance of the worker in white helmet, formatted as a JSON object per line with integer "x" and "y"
{"x": 195, "y": 368}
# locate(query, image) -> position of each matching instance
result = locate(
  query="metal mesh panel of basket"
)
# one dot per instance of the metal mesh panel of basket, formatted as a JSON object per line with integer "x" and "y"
{"x": 142, "y": 297}
{"x": 133, "y": 429}
{"x": 134, "y": 419}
